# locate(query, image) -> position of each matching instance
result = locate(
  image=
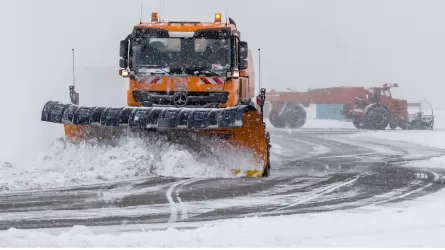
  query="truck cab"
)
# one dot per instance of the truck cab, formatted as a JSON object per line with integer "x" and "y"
{"x": 187, "y": 64}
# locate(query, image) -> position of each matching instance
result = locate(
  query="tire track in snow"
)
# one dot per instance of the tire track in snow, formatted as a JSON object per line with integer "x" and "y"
{"x": 422, "y": 177}
{"x": 418, "y": 185}
{"x": 319, "y": 193}
{"x": 184, "y": 208}
{"x": 171, "y": 201}
{"x": 181, "y": 205}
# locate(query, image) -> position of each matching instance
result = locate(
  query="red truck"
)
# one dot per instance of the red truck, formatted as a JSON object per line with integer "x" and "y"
{"x": 372, "y": 108}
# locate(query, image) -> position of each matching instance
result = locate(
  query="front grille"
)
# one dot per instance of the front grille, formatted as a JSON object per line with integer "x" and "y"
{"x": 397, "y": 107}
{"x": 164, "y": 98}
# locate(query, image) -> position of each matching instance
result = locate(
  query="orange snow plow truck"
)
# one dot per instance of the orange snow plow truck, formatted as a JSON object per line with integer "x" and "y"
{"x": 186, "y": 80}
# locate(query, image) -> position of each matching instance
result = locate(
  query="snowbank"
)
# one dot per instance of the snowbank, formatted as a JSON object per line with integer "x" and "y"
{"x": 66, "y": 164}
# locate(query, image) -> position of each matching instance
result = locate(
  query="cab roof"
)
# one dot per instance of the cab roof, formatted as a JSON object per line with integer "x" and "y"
{"x": 185, "y": 26}
{"x": 188, "y": 26}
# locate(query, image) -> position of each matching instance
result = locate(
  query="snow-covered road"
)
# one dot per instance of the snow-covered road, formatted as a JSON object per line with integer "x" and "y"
{"x": 314, "y": 170}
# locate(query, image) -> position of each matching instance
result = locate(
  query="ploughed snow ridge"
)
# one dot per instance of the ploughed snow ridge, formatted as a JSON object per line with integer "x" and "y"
{"x": 66, "y": 164}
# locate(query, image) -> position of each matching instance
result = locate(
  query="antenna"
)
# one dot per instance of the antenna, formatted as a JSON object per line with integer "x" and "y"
{"x": 227, "y": 17}
{"x": 259, "y": 68}
{"x": 74, "y": 96}
{"x": 142, "y": 7}
{"x": 161, "y": 3}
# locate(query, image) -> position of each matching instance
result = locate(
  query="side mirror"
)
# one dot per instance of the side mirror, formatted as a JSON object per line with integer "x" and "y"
{"x": 243, "y": 55}
{"x": 243, "y": 65}
{"x": 123, "y": 63}
{"x": 124, "y": 49}
{"x": 243, "y": 50}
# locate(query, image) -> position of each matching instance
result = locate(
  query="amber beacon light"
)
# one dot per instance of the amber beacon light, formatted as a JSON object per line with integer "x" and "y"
{"x": 155, "y": 17}
{"x": 217, "y": 17}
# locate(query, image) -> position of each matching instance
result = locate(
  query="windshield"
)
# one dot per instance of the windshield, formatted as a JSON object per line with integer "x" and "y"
{"x": 386, "y": 92}
{"x": 181, "y": 54}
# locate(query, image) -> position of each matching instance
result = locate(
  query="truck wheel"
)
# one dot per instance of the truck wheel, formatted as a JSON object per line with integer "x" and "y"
{"x": 295, "y": 116}
{"x": 276, "y": 120}
{"x": 377, "y": 117}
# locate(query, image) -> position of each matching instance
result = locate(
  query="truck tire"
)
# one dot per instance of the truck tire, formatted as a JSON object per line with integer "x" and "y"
{"x": 377, "y": 117}
{"x": 295, "y": 116}
{"x": 276, "y": 120}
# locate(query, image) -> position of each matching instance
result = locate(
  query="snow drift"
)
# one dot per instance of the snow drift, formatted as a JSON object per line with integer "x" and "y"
{"x": 66, "y": 164}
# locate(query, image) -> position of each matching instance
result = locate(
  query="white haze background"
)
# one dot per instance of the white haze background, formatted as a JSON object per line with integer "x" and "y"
{"x": 304, "y": 44}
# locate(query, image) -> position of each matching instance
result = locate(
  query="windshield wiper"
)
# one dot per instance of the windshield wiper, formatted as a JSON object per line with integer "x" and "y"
{"x": 204, "y": 70}
{"x": 150, "y": 65}
{"x": 154, "y": 67}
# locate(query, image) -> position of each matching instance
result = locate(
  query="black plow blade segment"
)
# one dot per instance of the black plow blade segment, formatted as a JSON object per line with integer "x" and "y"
{"x": 145, "y": 117}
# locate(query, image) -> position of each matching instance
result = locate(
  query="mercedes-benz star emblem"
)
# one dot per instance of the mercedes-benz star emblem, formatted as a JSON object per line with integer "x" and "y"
{"x": 180, "y": 99}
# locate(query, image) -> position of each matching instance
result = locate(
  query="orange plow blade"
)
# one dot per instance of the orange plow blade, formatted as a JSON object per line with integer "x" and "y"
{"x": 239, "y": 127}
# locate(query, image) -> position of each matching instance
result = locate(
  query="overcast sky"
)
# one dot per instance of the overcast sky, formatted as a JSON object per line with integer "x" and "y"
{"x": 304, "y": 44}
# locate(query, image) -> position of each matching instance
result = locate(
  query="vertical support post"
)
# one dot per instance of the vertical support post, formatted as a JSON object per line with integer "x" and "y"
{"x": 74, "y": 73}
{"x": 259, "y": 68}
{"x": 262, "y": 99}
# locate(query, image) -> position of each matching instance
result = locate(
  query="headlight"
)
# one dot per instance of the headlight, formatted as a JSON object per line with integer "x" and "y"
{"x": 124, "y": 73}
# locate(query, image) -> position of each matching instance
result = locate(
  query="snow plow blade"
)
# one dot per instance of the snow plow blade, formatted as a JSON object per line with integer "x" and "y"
{"x": 241, "y": 126}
